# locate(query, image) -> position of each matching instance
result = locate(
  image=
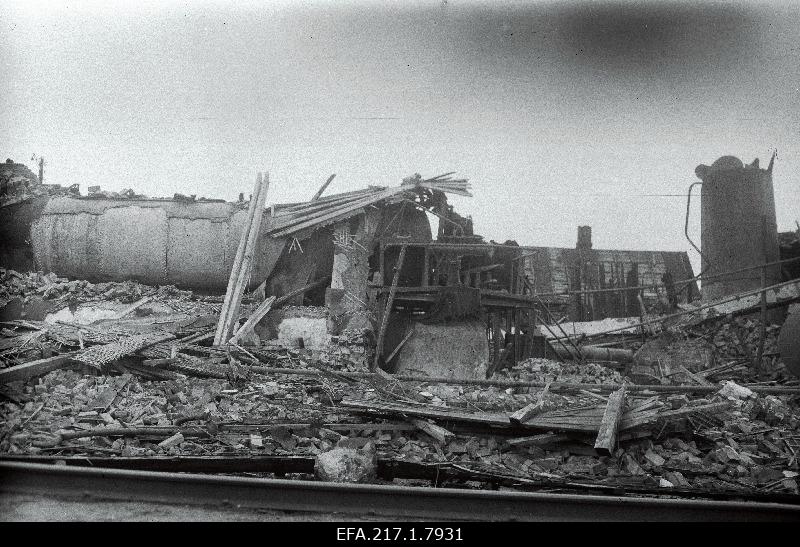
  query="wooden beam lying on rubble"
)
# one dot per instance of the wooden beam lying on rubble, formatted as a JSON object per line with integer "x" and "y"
{"x": 35, "y": 368}
{"x": 607, "y": 436}
{"x": 254, "y": 318}
{"x": 529, "y": 411}
{"x": 594, "y": 353}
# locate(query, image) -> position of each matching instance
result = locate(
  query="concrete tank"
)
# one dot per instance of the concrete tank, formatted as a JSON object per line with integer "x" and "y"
{"x": 738, "y": 226}
{"x": 156, "y": 242}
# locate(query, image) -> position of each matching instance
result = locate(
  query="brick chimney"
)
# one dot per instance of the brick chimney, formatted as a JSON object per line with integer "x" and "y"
{"x": 584, "y": 237}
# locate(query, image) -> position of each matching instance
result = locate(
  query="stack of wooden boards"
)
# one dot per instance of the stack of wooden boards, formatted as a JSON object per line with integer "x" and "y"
{"x": 294, "y": 218}
{"x": 242, "y": 264}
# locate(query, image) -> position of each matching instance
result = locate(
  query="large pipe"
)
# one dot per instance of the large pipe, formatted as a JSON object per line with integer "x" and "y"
{"x": 594, "y": 353}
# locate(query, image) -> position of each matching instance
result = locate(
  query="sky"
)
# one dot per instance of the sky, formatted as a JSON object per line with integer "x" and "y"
{"x": 559, "y": 114}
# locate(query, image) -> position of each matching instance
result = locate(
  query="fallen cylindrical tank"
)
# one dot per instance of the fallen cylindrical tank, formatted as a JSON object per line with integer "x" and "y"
{"x": 153, "y": 241}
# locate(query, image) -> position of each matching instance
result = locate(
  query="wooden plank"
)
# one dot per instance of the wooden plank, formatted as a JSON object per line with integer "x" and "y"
{"x": 425, "y": 411}
{"x": 254, "y": 318}
{"x": 237, "y": 262}
{"x": 607, "y": 436}
{"x": 326, "y": 209}
{"x": 323, "y": 187}
{"x": 529, "y": 411}
{"x": 35, "y": 368}
{"x": 300, "y": 212}
{"x": 694, "y": 377}
{"x": 297, "y": 292}
{"x": 712, "y": 408}
{"x": 399, "y": 346}
{"x": 327, "y": 199}
{"x": 539, "y": 440}
{"x": 326, "y": 217}
{"x": 388, "y": 309}
{"x": 133, "y": 306}
{"x": 439, "y": 433}
{"x": 247, "y": 261}
{"x": 225, "y": 329}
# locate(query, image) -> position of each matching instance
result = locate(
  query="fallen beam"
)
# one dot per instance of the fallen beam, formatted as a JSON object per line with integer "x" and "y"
{"x": 439, "y": 433}
{"x": 35, "y": 368}
{"x": 388, "y": 309}
{"x": 594, "y": 353}
{"x": 529, "y": 411}
{"x": 607, "y": 436}
{"x": 322, "y": 188}
{"x": 253, "y": 320}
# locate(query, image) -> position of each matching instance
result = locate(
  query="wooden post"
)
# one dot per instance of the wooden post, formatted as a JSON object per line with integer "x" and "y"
{"x": 529, "y": 411}
{"x": 237, "y": 263}
{"x": 35, "y": 368}
{"x": 382, "y": 263}
{"x": 251, "y": 322}
{"x": 498, "y": 341}
{"x": 399, "y": 346}
{"x": 516, "y": 321}
{"x": 763, "y": 330}
{"x": 247, "y": 261}
{"x": 425, "y": 267}
{"x": 607, "y": 436}
{"x": 234, "y": 294}
{"x": 388, "y": 309}
{"x": 322, "y": 188}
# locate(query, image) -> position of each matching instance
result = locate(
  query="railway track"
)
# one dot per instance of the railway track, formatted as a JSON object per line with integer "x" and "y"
{"x": 362, "y": 499}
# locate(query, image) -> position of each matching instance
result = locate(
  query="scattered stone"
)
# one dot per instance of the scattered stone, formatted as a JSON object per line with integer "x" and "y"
{"x": 346, "y": 465}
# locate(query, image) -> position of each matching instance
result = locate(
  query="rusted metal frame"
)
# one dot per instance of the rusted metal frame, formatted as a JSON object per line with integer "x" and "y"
{"x": 388, "y": 308}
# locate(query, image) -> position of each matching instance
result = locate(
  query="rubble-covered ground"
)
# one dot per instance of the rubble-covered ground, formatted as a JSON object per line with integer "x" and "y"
{"x": 181, "y": 397}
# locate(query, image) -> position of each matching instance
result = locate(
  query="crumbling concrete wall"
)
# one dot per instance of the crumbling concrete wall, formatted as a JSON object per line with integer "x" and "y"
{"x": 152, "y": 241}
{"x": 347, "y": 297}
{"x": 355, "y": 257}
{"x": 453, "y": 350}
{"x": 15, "y": 233}
{"x": 307, "y": 323}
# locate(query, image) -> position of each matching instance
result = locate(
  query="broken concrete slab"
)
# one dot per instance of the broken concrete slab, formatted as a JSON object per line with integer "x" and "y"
{"x": 453, "y": 350}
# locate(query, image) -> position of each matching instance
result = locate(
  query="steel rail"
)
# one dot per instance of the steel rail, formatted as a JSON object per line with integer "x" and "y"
{"x": 363, "y": 499}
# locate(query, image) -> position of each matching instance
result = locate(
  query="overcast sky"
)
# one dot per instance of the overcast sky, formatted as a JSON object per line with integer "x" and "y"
{"x": 560, "y": 114}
